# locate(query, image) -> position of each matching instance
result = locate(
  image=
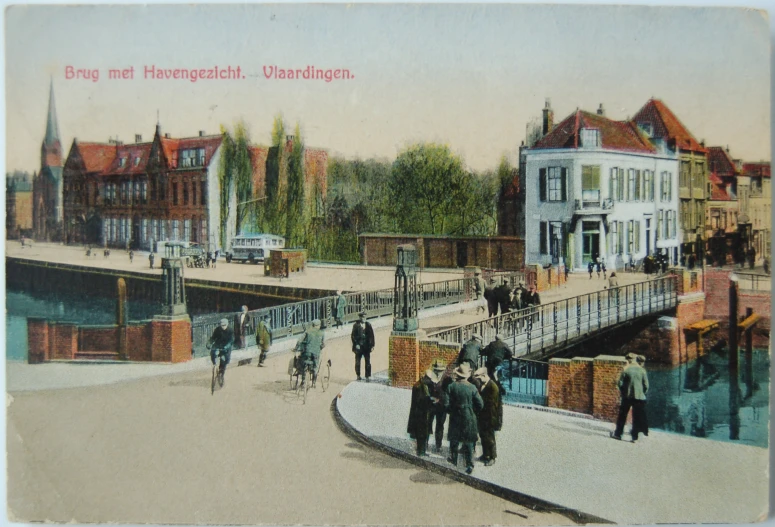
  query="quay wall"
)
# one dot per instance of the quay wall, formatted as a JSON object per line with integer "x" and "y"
{"x": 202, "y": 296}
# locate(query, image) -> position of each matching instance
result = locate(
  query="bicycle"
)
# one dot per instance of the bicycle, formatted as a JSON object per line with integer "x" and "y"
{"x": 297, "y": 370}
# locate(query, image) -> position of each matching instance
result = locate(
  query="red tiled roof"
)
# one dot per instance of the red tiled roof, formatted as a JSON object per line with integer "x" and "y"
{"x": 129, "y": 153}
{"x": 614, "y": 135}
{"x": 666, "y": 125}
{"x": 761, "y": 169}
{"x": 720, "y": 163}
{"x": 719, "y": 193}
{"x": 97, "y": 157}
{"x": 713, "y": 178}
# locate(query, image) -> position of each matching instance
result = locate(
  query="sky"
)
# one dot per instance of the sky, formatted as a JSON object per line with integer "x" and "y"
{"x": 469, "y": 76}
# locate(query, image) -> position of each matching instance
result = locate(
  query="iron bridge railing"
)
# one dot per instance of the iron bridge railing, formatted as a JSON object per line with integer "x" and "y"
{"x": 292, "y": 319}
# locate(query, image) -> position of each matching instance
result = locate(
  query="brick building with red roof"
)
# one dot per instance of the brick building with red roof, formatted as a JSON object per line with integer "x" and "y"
{"x": 136, "y": 194}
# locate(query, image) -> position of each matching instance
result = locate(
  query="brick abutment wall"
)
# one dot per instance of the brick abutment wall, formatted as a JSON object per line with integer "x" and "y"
{"x": 586, "y": 385}
{"x": 410, "y": 354}
{"x": 159, "y": 340}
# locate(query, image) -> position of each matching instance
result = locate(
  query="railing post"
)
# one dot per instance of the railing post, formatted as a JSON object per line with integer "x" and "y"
{"x": 554, "y": 313}
{"x": 635, "y": 301}
{"x": 578, "y": 316}
{"x": 599, "y": 312}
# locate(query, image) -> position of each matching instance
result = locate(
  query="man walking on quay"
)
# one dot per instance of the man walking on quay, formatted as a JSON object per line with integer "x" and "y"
{"x": 633, "y": 386}
{"x": 479, "y": 288}
{"x": 463, "y": 402}
{"x": 220, "y": 345}
{"x": 151, "y": 258}
{"x": 492, "y": 301}
{"x": 362, "y": 338}
{"x": 496, "y": 352}
{"x": 263, "y": 338}
{"x": 420, "y": 411}
{"x": 490, "y": 419}
{"x": 340, "y": 303}
{"x": 438, "y": 412}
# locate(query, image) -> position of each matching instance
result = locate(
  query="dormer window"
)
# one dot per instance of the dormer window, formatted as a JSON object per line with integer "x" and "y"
{"x": 648, "y": 129}
{"x": 590, "y": 138}
{"x": 192, "y": 157}
{"x": 122, "y": 162}
{"x": 137, "y": 160}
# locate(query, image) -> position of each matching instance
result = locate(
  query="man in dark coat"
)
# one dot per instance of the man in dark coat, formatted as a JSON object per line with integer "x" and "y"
{"x": 633, "y": 386}
{"x": 263, "y": 338}
{"x": 492, "y": 301}
{"x": 220, "y": 344}
{"x": 423, "y": 400}
{"x": 490, "y": 419}
{"x": 496, "y": 352}
{"x": 534, "y": 300}
{"x": 502, "y": 294}
{"x": 470, "y": 351}
{"x": 463, "y": 402}
{"x": 362, "y": 337}
{"x": 438, "y": 412}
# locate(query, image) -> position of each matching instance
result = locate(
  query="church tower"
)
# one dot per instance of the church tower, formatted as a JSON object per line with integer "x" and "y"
{"x": 47, "y": 187}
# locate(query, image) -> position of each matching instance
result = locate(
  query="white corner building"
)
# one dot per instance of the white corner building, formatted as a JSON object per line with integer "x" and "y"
{"x": 598, "y": 188}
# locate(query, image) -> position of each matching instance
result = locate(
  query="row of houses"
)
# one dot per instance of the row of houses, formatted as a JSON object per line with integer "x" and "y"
{"x": 593, "y": 188}
{"x": 133, "y": 195}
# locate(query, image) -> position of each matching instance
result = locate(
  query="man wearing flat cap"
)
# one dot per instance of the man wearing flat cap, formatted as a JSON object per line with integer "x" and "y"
{"x": 463, "y": 402}
{"x": 490, "y": 418}
{"x": 362, "y": 337}
{"x": 311, "y": 346}
{"x": 263, "y": 338}
{"x": 419, "y": 427}
{"x": 469, "y": 351}
{"x": 496, "y": 352}
{"x": 633, "y": 386}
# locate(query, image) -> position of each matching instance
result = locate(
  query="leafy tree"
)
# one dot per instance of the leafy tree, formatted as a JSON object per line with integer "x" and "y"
{"x": 295, "y": 216}
{"x": 274, "y": 211}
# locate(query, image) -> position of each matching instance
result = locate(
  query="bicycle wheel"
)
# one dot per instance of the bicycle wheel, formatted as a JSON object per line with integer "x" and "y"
{"x": 307, "y": 384}
{"x": 212, "y": 382}
{"x": 326, "y": 376}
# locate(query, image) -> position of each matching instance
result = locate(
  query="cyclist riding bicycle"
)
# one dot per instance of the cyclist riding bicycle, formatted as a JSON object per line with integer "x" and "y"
{"x": 220, "y": 344}
{"x": 310, "y": 347}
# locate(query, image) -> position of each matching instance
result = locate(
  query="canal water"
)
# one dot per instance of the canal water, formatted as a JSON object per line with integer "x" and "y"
{"x": 91, "y": 310}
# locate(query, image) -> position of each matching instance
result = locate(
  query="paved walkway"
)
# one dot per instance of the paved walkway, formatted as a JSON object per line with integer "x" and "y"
{"x": 570, "y": 461}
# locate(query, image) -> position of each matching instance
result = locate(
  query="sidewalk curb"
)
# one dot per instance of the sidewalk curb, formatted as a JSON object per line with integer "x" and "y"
{"x": 529, "y": 502}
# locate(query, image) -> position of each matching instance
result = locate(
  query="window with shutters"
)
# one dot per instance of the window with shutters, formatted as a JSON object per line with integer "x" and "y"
{"x": 684, "y": 174}
{"x": 542, "y": 238}
{"x": 636, "y": 231}
{"x": 633, "y": 176}
{"x": 630, "y": 236}
{"x": 620, "y": 242}
{"x": 614, "y": 238}
{"x": 613, "y": 184}
{"x": 553, "y": 181}
{"x": 590, "y": 185}
{"x": 648, "y": 185}
{"x": 665, "y": 187}
{"x": 556, "y": 239}
{"x": 620, "y": 179}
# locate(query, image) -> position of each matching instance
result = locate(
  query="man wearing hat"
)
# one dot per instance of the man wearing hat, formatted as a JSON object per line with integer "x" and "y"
{"x": 340, "y": 303}
{"x": 490, "y": 418}
{"x": 496, "y": 352}
{"x": 490, "y": 298}
{"x": 633, "y": 386}
{"x": 220, "y": 344}
{"x": 362, "y": 337}
{"x": 438, "y": 412}
{"x": 420, "y": 411}
{"x": 263, "y": 338}
{"x": 479, "y": 287}
{"x": 310, "y": 346}
{"x": 503, "y": 295}
{"x": 470, "y": 351}
{"x": 463, "y": 402}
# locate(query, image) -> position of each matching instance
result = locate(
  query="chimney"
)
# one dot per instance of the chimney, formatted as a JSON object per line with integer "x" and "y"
{"x": 201, "y": 133}
{"x": 289, "y": 138}
{"x": 601, "y": 110}
{"x": 166, "y": 136}
{"x": 727, "y": 149}
{"x": 702, "y": 143}
{"x": 548, "y": 120}
{"x": 138, "y": 138}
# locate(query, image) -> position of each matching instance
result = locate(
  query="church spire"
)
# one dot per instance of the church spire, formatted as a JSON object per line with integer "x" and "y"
{"x": 52, "y": 126}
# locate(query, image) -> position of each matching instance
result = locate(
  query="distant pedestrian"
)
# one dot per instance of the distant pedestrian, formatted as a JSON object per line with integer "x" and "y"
{"x": 88, "y": 252}
{"x": 131, "y": 256}
{"x": 150, "y": 259}
{"x": 492, "y": 301}
{"x": 633, "y": 386}
{"x": 209, "y": 259}
{"x": 340, "y": 305}
{"x": 490, "y": 418}
{"x": 502, "y": 294}
{"x": 215, "y": 259}
{"x": 462, "y": 401}
{"x": 766, "y": 265}
{"x": 590, "y": 268}
{"x": 470, "y": 352}
{"x": 242, "y": 326}
{"x": 597, "y": 268}
{"x": 263, "y": 338}
{"x": 479, "y": 287}
{"x": 751, "y": 257}
{"x": 613, "y": 280}
{"x": 567, "y": 271}
{"x": 691, "y": 261}
{"x": 534, "y": 300}
{"x": 362, "y": 337}
{"x": 22, "y": 240}
{"x": 419, "y": 427}
{"x": 602, "y": 265}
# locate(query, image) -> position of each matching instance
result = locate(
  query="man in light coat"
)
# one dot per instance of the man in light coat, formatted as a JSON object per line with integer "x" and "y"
{"x": 633, "y": 387}
{"x": 263, "y": 338}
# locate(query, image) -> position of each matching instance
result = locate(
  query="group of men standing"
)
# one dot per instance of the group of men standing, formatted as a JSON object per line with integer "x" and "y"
{"x": 474, "y": 405}
{"x": 502, "y": 298}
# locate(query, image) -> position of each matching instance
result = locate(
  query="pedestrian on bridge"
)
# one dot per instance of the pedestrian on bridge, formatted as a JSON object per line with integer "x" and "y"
{"x": 534, "y": 300}
{"x": 362, "y": 337}
{"x": 340, "y": 304}
{"x": 492, "y": 301}
{"x": 131, "y": 256}
{"x": 242, "y": 323}
{"x": 633, "y": 385}
{"x": 263, "y": 338}
{"x": 490, "y": 418}
{"x": 479, "y": 288}
{"x": 420, "y": 411}
{"x": 462, "y": 401}
{"x": 151, "y": 257}
{"x": 503, "y": 295}
{"x": 590, "y": 268}
{"x": 470, "y": 351}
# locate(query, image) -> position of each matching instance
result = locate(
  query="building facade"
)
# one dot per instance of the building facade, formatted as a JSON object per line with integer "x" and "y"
{"x": 596, "y": 188}
{"x": 721, "y": 225}
{"x": 659, "y": 123}
{"x": 760, "y": 206}
{"x": 18, "y": 205}
{"x": 168, "y": 189}
{"x": 47, "y": 189}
